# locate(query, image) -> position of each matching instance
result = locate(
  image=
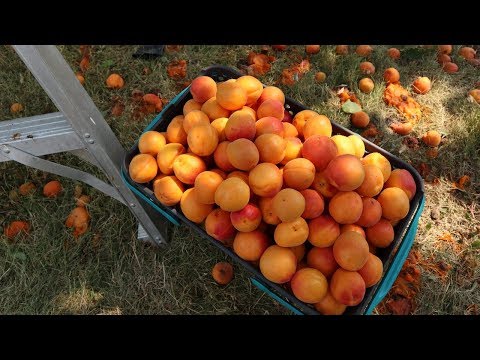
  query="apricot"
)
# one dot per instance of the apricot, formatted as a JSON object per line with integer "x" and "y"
{"x": 366, "y": 85}
{"x": 351, "y": 251}
{"x": 222, "y": 273}
{"x": 323, "y": 260}
{"x": 206, "y": 183}
{"x": 393, "y": 53}
{"x": 432, "y": 138}
{"x": 475, "y": 95}
{"x": 266, "y": 207}
{"x": 299, "y": 173}
{"x": 321, "y": 184}
{"x": 143, "y": 168}
{"x": 402, "y": 179}
{"x": 271, "y": 148}
{"x": 287, "y": 116}
{"x": 293, "y": 149}
{"x": 341, "y": 50}
{"x": 314, "y": 204}
{"x": 379, "y": 161}
{"x": 443, "y": 58}
{"x": 265, "y": 180}
{"x": 187, "y": 167}
{"x": 249, "y": 110}
{"x": 291, "y": 233}
{"x": 345, "y": 172}
{"x": 167, "y": 155}
{"x": 381, "y": 234}
{"x": 219, "y": 125}
{"x": 168, "y": 190}
{"x": 345, "y": 207}
{"x": 301, "y": 118}
{"x": 353, "y": 227}
{"x": 250, "y": 246}
{"x": 422, "y": 85}
{"x": 243, "y": 154}
{"x": 467, "y": 52}
{"x": 271, "y": 92}
{"x": 373, "y": 182}
{"x": 240, "y": 124}
{"x": 312, "y": 49}
{"x": 450, "y": 67}
{"x": 232, "y": 194}
{"x": 252, "y": 87}
{"x": 191, "y": 105}
{"x": 115, "y": 81}
{"x": 329, "y": 306}
{"x": 299, "y": 252}
{"x": 371, "y": 213}
{"x": 289, "y": 130}
{"x": 219, "y": 226}
{"x": 363, "y": 50}
{"x": 151, "y": 142}
{"x": 445, "y": 49}
{"x": 231, "y": 95}
{"x": 203, "y": 88}
{"x": 246, "y": 219}
{"x": 372, "y": 271}
{"x": 202, "y": 139}
{"x": 175, "y": 131}
{"x": 288, "y": 204}
{"x": 395, "y": 203}
{"x": 270, "y": 108}
{"x": 193, "y": 118}
{"x": 213, "y": 110}
{"x": 347, "y": 287}
{"x": 367, "y": 68}
{"x": 309, "y": 285}
{"x": 391, "y": 75}
{"x": 344, "y": 145}
{"x": 317, "y": 125}
{"x": 320, "y": 77}
{"x": 323, "y": 231}
{"x": 360, "y": 119}
{"x": 242, "y": 175}
{"x": 193, "y": 209}
{"x": 358, "y": 145}
{"x": 269, "y": 125}
{"x": 278, "y": 264}
{"x": 320, "y": 150}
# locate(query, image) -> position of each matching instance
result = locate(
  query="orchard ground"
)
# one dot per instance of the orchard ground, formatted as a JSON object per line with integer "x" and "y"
{"x": 107, "y": 271}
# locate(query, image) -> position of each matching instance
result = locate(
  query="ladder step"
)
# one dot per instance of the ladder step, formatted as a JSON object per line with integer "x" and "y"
{"x": 40, "y": 135}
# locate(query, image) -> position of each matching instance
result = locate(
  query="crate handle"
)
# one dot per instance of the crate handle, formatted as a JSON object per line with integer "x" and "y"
{"x": 397, "y": 263}
{"x": 267, "y": 291}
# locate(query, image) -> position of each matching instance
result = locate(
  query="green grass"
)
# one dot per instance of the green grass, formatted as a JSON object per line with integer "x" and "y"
{"x": 48, "y": 272}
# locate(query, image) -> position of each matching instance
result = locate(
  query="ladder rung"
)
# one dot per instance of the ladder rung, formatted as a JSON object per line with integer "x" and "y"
{"x": 40, "y": 135}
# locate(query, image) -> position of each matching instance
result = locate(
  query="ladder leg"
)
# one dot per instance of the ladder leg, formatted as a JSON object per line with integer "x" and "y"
{"x": 58, "y": 80}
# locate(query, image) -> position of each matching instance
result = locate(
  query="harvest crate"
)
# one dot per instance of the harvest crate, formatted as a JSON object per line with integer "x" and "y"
{"x": 392, "y": 257}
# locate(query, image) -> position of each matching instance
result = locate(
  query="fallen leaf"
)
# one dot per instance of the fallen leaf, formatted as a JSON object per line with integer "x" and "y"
{"x": 436, "y": 181}
{"x": 78, "y": 191}
{"x": 432, "y": 153}
{"x": 117, "y": 109}
{"x": 137, "y": 95}
{"x": 370, "y": 132}
{"x": 177, "y": 69}
{"x": 423, "y": 169}
{"x": 350, "y": 107}
{"x": 411, "y": 142}
{"x": 146, "y": 71}
{"x": 173, "y": 48}
{"x": 259, "y": 64}
{"x": 85, "y": 63}
{"x": 462, "y": 182}
{"x": 401, "y": 306}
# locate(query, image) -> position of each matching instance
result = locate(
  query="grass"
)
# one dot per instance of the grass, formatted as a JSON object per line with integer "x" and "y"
{"x": 109, "y": 272}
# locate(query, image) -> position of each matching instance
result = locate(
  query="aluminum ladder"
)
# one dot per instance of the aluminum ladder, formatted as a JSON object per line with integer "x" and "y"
{"x": 79, "y": 128}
